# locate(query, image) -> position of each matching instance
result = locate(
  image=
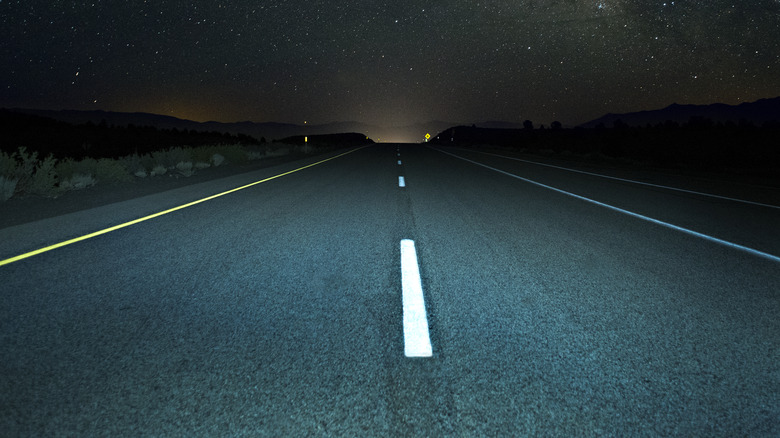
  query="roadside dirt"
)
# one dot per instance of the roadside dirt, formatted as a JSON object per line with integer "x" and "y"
{"x": 24, "y": 209}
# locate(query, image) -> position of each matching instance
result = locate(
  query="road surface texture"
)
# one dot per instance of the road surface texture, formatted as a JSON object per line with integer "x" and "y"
{"x": 276, "y": 309}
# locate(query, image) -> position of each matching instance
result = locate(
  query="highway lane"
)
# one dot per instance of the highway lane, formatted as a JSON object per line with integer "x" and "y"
{"x": 277, "y": 310}
{"x": 561, "y": 317}
{"x": 268, "y": 310}
{"x": 755, "y": 226}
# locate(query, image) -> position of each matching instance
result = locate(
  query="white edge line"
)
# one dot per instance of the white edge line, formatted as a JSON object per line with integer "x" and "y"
{"x": 401, "y": 182}
{"x": 417, "y": 341}
{"x": 631, "y": 213}
{"x": 633, "y": 181}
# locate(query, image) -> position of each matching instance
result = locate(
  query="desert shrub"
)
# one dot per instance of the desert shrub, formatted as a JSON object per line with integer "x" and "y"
{"x": 8, "y": 178}
{"x": 159, "y": 158}
{"x": 67, "y": 168}
{"x": 44, "y": 179}
{"x": 217, "y": 159}
{"x": 7, "y": 165}
{"x": 132, "y": 163}
{"x": 158, "y": 170}
{"x": 147, "y": 162}
{"x": 7, "y": 187}
{"x": 202, "y": 165}
{"x": 25, "y": 167}
{"x": 278, "y": 151}
{"x": 170, "y": 157}
{"x": 77, "y": 181}
{"x": 31, "y": 175}
{"x": 109, "y": 170}
{"x": 185, "y": 168}
{"x": 203, "y": 154}
{"x": 254, "y": 155}
{"x": 178, "y": 155}
{"x": 104, "y": 169}
{"x": 234, "y": 154}
{"x": 256, "y": 152}
{"x": 302, "y": 149}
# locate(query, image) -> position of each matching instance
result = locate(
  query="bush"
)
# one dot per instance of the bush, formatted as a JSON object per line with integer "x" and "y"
{"x": 77, "y": 181}
{"x": 44, "y": 179}
{"x": 234, "y": 154}
{"x": 22, "y": 172}
{"x": 170, "y": 157}
{"x": 203, "y": 154}
{"x": 109, "y": 170}
{"x": 159, "y": 158}
{"x": 7, "y": 187}
{"x": 254, "y": 155}
{"x": 255, "y": 152}
{"x": 132, "y": 163}
{"x": 278, "y": 151}
{"x": 148, "y": 162}
{"x": 303, "y": 149}
{"x": 8, "y": 178}
{"x": 69, "y": 167}
{"x": 25, "y": 167}
{"x": 158, "y": 170}
{"x": 185, "y": 168}
{"x": 104, "y": 169}
{"x": 66, "y": 168}
{"x": 7, "y": 165}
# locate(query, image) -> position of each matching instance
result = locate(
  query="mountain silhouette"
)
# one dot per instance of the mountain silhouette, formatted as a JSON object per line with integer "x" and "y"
{"x": 758, "y": 112}
{"x": 268, "y": 130}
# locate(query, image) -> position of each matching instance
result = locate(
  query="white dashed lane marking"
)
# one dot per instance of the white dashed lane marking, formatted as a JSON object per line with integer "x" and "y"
{"x": 401, "y": 182}
{"x": 417, "y": 340}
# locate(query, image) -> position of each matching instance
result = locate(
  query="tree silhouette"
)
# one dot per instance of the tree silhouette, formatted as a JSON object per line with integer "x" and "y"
{"x": 528, "y": 125}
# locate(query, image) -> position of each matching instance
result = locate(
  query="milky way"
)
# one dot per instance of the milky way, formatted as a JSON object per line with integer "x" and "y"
{"x": 386, "y": 62}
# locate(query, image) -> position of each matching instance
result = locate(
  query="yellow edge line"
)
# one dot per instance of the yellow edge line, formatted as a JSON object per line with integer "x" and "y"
{"x": 170, "y": 210}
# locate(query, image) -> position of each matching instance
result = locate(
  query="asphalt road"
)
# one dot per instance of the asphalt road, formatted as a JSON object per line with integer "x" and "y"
{"x": 276, "y": 310}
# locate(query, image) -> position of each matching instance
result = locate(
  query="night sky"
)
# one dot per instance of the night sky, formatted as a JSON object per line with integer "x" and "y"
{"x": 386, "y": 62}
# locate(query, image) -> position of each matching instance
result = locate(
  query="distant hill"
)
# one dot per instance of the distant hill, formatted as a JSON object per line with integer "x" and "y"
{"x": 758, "y": 112}
{"x": 268, "y": 130}
{"x": 62, "y": 139}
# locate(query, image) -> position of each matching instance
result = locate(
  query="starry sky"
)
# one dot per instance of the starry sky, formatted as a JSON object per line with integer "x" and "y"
{"x": 388, "y": 63}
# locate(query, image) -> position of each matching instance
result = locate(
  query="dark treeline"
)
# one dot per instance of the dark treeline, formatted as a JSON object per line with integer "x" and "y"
{"x": 699, "y": 144}
{"x": 64, "y": 140}
{"x": 328, "y": 140}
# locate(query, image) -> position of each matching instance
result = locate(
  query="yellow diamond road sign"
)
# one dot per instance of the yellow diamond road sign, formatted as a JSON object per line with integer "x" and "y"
{"x": 427, "y": 136}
